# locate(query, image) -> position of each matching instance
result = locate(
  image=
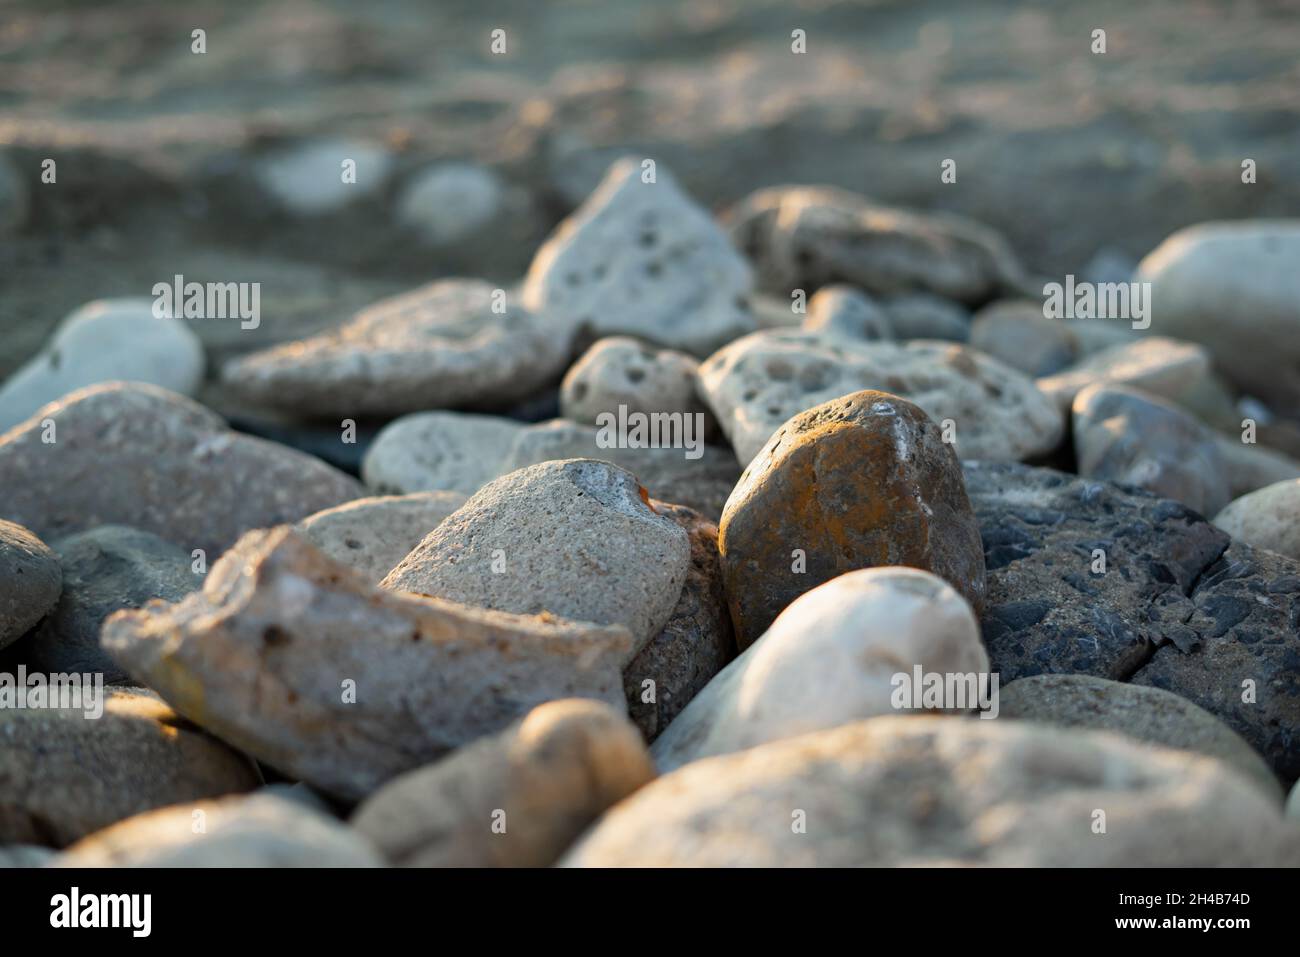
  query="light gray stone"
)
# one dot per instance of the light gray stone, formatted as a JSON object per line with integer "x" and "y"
{"x": 1267, "y": 518}
{"x": 451, "y": 202}
{"x": 371, "y": 535}
{"x": 307, "y": 178}
{"x": 439, "y": 451}
{"x": 24, "y": 855}
{"x": 847, "y": 311}
{"x": 622, "y": 371}
{"x": 30, "y": 581}
{"x": 923, "y": 316}
{"x": 1016, "y": 332}
{"x": 1163, "y": 367}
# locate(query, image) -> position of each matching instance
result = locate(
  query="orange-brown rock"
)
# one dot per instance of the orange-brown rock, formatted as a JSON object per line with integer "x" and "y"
{"x": 860, "y": 481}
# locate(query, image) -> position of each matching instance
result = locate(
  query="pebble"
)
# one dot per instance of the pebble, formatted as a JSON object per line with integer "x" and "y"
{"x": 1160, "y": 366}
{"x": 1233, "y": 287}
{"x": 65, "y": 775}
{"x": 755, "y": 384}
{"x": 262, "y": 829}
{"x": 449, "y": 203}
{"x": 372, "y": 535}
{"x": 924, "y": 316}
{"x": 798, "y": 517}
{"x": 137, "y": 455}
{"x": 1143, "y": 713}
{"x": 300, "y": 662}
{"x": 575, "y": 538}
{"x": 439, "y": 451}
{"x": 516, "y": 799}
{"x": 642, "y": 259}
{"x": 829, "y": 658}
{"x": 623, "y": 372}
{"x": 941, "y": 791}
{"x": 307, "y": 179}
{"x": 104, "y": 341}
{"x": 806, "y": 237}
{"x": 846, "y": 311}
{"x": 452, "y": 343}
{"x": 1016, "y": 332}
{"x": 695, "y": 644}
{"x": 1126, "y": 436}
{"x": 1267, "y": 518}
{"x": 104, "y": 569}
{"x": 30, "y": 581}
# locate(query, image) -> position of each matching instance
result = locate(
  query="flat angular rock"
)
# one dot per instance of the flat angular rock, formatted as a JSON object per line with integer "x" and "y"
{"x": 1233, "y": 287}
{"x": 622, "y": 371}
{"x": 1164, "y": 367}
{"x": 64, "y": 775}
{"x": 1268, "y": 518}
{"x": 574, "y": 538}
{"x": 104, "y": 341}
{"x": 452, "y": 343}
{"x": 1142, "y": 713}
{"x": 262, "y": 829}
{"x": 697, "y": 642}
{"x": 30, "y": 581}
{"x": 133, "y": 454}
{"x": 642, "y": 259}
{"x": 755, "y": 384}
{"x": 922, "y": 791}
{"x": 105, "y": 569}
{"x": 861, "y": 481}
{"x": 372, "y": 535}
{"x": 545, "y": 778}
{"x": 1130, "y": 437}
{"x": 811, "y": 236}
{"x": 829, "y": 659}
{"x": 307, "y": 667}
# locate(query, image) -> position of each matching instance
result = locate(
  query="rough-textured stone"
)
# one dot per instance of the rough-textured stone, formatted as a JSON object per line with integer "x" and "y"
{"x": 105, "y": 569}
{"x": 1145, "y": 714}
{"x": 758, "y": 382}
{"x": 620, "y": 371}
{"x": 262, "y": 829}
{"x": 945, "y": 791}
{"x": 306, "y": 666}
{"x": 439, "y": 451}
{"x": 545, "y": 778}
{"x": 30, "y": 581}
{"x": 64, "y": 775}
{"x": 1234, "y": 288}
{"x": 1267, "y": 518}
{"x": 574, "y": 538}
{"x": 1163, "y": 367}
{"x": 448, "y": 344}
{"x": 103, "y": 341}
{"x": 697, "y": 642}
{"x": 1016, "y": 332}
{"x": 829, "y": 659}
{"x": 641, "y": 259}
{"x": 861, "y": 481}
{"x": 849, "y": 312}
{"x": 1130, "y": 437}
{"x": 808, "y": 237}
{"x": 372, "y": 535}
{"x": 137, "y": 455}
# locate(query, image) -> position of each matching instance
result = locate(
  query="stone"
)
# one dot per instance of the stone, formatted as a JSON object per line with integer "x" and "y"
{"x": 30, "y": 581}
{"x": 1268, "y": 518}
{"x": 1144, "y": 714}
{"x": 1126, "y": 436}
{"x": 106, "y": 340}
{"x": 545, "y": 778}
{"x": 755, "y": 384}
{"x": 105, "y": 569}
{"x": 621, "y": 371}
{"x": 942, "y": 791}
{"x": 923, "y": 316}
{"x": 1250, "y": 467}
{"x": 810, "y": 236}
{"x": 1016, "y": 332}
{"x": 25, "y": 855}
{"x": 697, "y": 642}
{"x": 1154, "y": 364}
{"x": 307, "y": 178}
{"x": 829, "y": 659}
{"x": 861, "y": 481}
{"x": 299, "y": 661}
{"x": 449, "y": 203}
{"x": 64, "y": 775}
{"x": 136, "y": 455}
{"x": 641, "y": 259}
{"x": 262, "y": 829}
{"x": 575, "y": 538}
{"x": 846, "y": 311}
{"x": 451, "y": 343}
{"x": 1087, "y": 577}
{"x": 372, "y": 535}
{"x": 1233, "y": 288}
{"x": 438, "y": 452}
